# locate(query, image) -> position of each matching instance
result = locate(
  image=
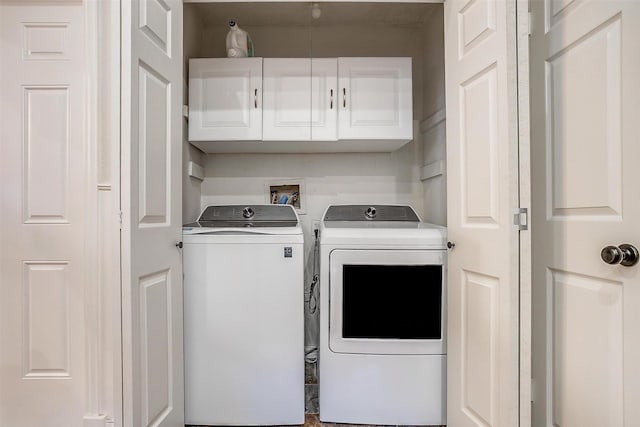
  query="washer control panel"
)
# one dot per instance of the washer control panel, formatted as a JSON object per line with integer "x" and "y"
{"x": 247, "y": 216}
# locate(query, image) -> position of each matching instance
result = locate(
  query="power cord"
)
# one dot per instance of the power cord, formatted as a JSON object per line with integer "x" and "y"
{"x": 313, "y": 298}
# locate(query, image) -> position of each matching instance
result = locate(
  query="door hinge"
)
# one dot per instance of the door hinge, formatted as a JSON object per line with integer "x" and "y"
{"x": 529, "y": 23}
{"x": 185, "y": 111}
{"x": 120, "y": 219}
{"x": 521, "y": 218}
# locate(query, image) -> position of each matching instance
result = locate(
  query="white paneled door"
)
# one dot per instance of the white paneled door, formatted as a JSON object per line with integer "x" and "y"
{"x": 43, "y": 214}
{"x": 151, "y": 205}
{"x": 482, "y": 191}
{"x": 585, "y": 101}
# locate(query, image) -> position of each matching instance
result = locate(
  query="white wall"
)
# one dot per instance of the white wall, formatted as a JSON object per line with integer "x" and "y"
{"x": 191, "y": 191}
{"x": 433, "y": 94}
{"x": 328, "y": 178}
{"x": 432, "y": 128}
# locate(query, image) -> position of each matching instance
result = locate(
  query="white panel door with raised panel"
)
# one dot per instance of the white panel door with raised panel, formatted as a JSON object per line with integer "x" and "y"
{"x": 152, "y": 205}
{"x": 225, "y": 99}
{"x": 43, "y": 215}
{"x": 482, "y": 191}
{"x": 375, "y": 98}
{"x": 585, "y": 121}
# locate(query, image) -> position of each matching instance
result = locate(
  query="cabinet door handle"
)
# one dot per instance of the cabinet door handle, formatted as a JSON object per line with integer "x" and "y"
{"x": 344, "y": 97}
{"x": 255, "y": 98}
{"x": 331, "y": 100}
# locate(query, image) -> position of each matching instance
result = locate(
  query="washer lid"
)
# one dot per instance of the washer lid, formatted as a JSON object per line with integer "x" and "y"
{"x": 232, "y": 216}
{"x": 371, "y": 213}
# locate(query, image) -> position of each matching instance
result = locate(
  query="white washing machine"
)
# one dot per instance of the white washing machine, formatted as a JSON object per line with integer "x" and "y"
{"x": 382, "y": 317}
{"x": 243, "y": 316}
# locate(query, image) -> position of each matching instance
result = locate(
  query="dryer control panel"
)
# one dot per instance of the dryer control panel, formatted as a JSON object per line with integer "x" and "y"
{"x": 371, "y": 213}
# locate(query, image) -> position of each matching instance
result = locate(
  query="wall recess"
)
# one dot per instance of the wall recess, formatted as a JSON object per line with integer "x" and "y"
{"x": 286, "y": 192}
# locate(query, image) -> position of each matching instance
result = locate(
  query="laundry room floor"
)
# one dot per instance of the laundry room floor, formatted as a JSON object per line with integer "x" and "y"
{"x": 313, "y": 420}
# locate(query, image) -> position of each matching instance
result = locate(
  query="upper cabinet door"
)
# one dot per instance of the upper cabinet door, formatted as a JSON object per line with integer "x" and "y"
{"x": 300, "y": 99}
{"x": 287, "y": 99}
{"x": 375, "y": 98}
{"x": 324, "y": 99}
{"x": 225, "y": 99}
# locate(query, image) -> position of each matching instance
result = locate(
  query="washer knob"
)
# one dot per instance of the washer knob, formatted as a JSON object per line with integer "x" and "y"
{"x": 370, "y": 213}
{"x": 248, "y": 212}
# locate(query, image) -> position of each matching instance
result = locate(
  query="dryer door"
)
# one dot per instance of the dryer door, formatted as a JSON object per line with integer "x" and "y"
{"x": 387, "y": 302}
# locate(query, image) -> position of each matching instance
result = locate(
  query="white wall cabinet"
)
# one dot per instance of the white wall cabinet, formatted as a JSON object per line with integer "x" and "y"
{"x": 375, "y": 98}
{"x": 225, "y": 99}
{"x": 339, "y": 104}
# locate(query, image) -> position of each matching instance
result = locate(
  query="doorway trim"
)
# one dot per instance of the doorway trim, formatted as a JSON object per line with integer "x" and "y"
{"x": 522, "y": 23}
{"x": 103, "y": 402}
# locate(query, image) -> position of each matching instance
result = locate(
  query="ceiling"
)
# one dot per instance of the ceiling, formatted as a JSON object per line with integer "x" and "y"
{"x": 297, "y": 14}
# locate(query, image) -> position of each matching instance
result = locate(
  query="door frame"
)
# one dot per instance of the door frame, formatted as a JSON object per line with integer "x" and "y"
{"x": 107, "y": 122}
{"x": 522, "y": 25}
{"x": 104, "y": 398}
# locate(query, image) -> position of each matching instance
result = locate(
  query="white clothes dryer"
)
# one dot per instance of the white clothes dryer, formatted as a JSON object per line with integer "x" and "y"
{"x": 382, "y": 317}
{"x": 243, "y": 316}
